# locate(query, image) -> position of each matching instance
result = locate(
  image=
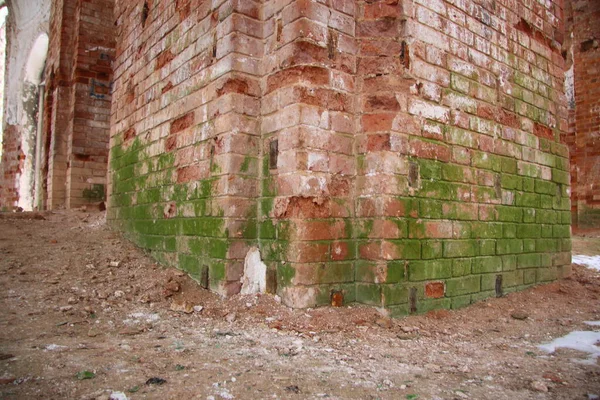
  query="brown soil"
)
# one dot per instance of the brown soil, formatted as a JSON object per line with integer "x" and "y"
{"x": 76, "y": 297}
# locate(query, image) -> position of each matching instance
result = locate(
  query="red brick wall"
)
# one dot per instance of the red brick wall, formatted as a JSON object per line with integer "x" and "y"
{"x": 400, "y": 154}
{"x": 77, "y": 102}
{"x": 585, "y": 138}
{"x": 92, "y": 79}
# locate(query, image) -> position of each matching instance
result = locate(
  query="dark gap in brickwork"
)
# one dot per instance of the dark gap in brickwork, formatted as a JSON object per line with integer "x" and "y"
{"x": 145, "y": 13}
{"x": 271, "y": 281}
{"x": 413, "y": 300}
{"x": 587, "y": 45}
{"x": 214, "y": 46}
{"x": 499, "y": 291}
{"x": 204, "y": 281}
{"x": 273, "y": 153}
{"x": 405, "y": 55}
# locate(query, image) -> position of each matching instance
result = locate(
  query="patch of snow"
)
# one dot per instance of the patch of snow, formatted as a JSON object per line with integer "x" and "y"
{"x": 53, "y": 347}
{"x": 584, "y": 341}
{"x": 118, "y": 396}
{"x": 592, "y": 262}
{"x": 137, "y": 318}
{"x": 592, "y": 323}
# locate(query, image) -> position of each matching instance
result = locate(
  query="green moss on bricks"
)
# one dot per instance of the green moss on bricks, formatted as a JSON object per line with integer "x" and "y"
{"x": 461, "y": 266}
{"x": 431, "y": 249}
{"x": 459, "y": 302}
{"x": 429, "y": 270}
{"x": 509, "y": 246}
{"x": 489, "y": 230}
{"x": 429, "y": 169}
{"x": 463, "y": 285}
{"x": 394, "y": 294}
{"x": 483, "y": 265}
{"x": 285, "y": 275}
{"x": 488, "y": 161}
{"x": 487, "y": 247}
{"x": 442, "y": 190}
{"x": 460, "y": 248}
{"x": 368, "y": 294}
{"x": 424, "y": 306}
{"x": 430, "y": 209}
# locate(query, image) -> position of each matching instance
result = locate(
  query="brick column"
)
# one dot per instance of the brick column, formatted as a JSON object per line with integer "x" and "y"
{"x": 308, "y": 136}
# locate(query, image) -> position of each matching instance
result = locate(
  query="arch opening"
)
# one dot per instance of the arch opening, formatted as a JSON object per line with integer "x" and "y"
{"x": 31, "y": 115}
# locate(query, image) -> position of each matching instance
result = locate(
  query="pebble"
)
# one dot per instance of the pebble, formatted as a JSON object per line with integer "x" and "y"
{"x": 384, "y": 323}
{"x": 539, "y": 386}
{"x": 520, "y": 315}
{"x": 230, "y": 317}
{"x": 114, "y": 264}
{"x": 198, "y": 309}
{"x": 66, "y": 308}
{"x": 434, "y": 368}
{"x": 182, "y": 306}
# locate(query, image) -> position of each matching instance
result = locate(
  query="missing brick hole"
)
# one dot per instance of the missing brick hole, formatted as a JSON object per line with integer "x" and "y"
{"x": 499, "y": 292}
{"x": 145, "y": 13}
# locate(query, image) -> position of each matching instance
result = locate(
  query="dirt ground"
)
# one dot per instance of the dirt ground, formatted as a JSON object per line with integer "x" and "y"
{"x": 85, "y": 315}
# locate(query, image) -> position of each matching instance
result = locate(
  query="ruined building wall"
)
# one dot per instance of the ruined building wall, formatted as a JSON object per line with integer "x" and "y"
{"x": 399, "y": 154}
{"x": 584, "y": 136}
{"x": 75, "y": 100}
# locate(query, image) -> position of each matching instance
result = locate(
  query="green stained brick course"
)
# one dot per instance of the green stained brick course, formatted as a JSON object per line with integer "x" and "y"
{"x": 482, "y": 265}
{"x": 460, "y": 248}
{"x": 463, "y": 285}
{"x": 429, "y": 270}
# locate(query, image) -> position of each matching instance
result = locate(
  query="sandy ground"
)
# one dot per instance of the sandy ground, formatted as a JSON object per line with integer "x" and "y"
{"x": 77, "y": 301}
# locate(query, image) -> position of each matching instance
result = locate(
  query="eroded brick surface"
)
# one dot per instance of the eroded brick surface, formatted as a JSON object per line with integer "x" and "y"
{"x": 400, "y": 154}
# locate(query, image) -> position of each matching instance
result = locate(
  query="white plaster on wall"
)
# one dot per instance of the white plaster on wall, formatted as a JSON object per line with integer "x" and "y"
{"x": 28, "y": 121}
{"x": 3, "y": 15}
{"x": 254, "y": 279}
{"x": 27, "y": 37}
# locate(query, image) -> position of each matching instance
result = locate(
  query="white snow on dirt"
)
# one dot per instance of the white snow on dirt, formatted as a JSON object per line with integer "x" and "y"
{"x": 584, "y": 341}
{"x": 589, "y": 261}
